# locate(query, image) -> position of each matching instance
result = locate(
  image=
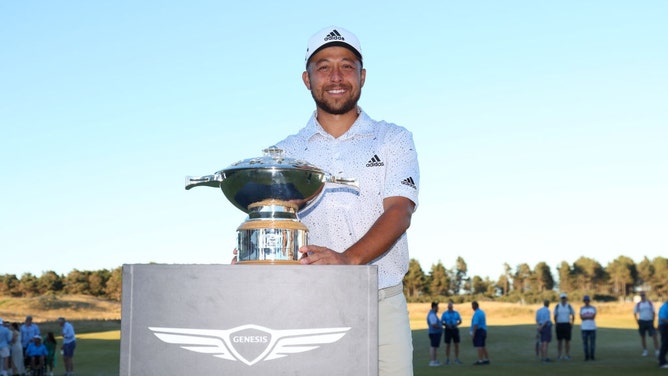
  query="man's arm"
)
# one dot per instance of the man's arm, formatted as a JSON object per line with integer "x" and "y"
{"x": 389, "y": 227}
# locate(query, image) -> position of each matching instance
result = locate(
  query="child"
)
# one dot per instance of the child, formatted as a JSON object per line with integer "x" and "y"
{"x": 50, "y": 343}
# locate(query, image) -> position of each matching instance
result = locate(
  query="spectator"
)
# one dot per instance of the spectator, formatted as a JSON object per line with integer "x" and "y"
{"x": 479, "y": 334}
{"x": 435, "y": 332}
{"x": 663, "y": 329}
{"x": 18, "y": 365}
{"x": 564, "y": 316}
{"x": 644, "y": 314}
{"x": 69, "y": 344}
{"x": 451, "y": 321}
{"x": 50, "y": 343}
{"x": 544, "y": 329}
{"x": 28, "y": 331}
{"x": 36, "y": 354}
{"x": 588, "y": 327}
{"x": 5, "y": 340}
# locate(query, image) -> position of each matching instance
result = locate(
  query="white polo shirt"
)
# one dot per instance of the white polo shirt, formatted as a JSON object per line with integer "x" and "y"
{"x": 645, "y": 310}
{"x": 382, "y": 157}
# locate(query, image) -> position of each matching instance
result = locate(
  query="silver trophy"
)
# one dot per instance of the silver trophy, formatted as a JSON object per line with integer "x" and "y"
{"x": 271, "y": 189}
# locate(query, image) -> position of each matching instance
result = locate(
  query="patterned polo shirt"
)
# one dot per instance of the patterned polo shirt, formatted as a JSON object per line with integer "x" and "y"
{"x": 382, "y": 157}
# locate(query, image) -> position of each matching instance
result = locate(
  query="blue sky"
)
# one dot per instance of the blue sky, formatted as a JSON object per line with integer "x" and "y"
{"x": 541, "y": 127}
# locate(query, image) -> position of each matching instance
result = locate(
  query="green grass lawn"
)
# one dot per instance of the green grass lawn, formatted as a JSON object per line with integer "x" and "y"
{"x": 511, "y": 349}
{"x": 512, "y": 352}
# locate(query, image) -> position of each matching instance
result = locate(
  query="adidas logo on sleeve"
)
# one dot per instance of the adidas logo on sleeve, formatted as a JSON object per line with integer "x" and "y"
{"x": 409, "y": 182}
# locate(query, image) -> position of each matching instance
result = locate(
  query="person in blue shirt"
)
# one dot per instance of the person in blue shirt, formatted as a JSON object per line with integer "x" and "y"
{"x": 5, "y": 340}
{"x": 544, "y": 323}
{"x": 36, "y": 353}
{"x": 451, "y": 321}
{"x": 663, "y": 329}
{"x": 435, "y": 332}
{"x": 479, "y": 333}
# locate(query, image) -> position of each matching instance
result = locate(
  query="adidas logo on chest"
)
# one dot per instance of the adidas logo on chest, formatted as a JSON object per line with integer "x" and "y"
{"x": 375, "y": 162}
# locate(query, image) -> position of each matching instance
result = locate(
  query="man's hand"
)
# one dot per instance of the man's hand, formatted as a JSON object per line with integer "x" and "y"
{"x": 234, "y": 259}
{"x": 316, "y": 255}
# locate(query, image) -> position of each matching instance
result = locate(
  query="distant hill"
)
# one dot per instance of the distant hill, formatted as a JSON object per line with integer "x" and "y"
{"x": 50, "y": 307}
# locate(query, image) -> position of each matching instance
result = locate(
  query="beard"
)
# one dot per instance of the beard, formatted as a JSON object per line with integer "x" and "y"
{"x": 337, "y": 108}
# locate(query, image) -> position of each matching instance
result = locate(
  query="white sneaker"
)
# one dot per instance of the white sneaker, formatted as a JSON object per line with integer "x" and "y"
{"x": 644, "y": 352}
{"x": 664, "y": 366}
{"x": 434, "y": 363}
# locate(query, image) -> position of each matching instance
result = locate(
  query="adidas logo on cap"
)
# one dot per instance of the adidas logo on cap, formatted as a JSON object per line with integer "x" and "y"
{"x": 334, "y": 35}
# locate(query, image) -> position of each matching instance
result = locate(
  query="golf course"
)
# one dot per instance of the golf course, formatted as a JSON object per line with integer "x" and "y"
{"x": 511, "y": 338}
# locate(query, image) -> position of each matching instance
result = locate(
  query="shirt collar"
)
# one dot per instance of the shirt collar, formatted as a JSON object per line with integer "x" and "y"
{"x": 362, "y": 125}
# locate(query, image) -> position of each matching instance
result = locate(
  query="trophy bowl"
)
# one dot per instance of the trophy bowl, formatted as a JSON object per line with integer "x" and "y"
{"x": 271, "y": 189}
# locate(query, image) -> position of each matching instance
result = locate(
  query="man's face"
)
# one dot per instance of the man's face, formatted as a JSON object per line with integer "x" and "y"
{"x": 643, "y": 297}
{"x": 335, "y": 78}
{"x": 449, "y": 306}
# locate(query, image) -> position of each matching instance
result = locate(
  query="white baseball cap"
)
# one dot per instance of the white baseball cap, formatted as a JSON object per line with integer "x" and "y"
{"x": 333, "y": 36}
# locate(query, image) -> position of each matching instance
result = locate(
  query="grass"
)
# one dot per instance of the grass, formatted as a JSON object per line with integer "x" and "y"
{"x": 510, "y": 342}
{"x": 512, "y": 351}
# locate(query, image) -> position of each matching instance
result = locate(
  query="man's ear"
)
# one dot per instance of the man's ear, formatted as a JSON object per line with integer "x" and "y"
{"x": 362, "y": 77}
{"x": 306, "y": 79}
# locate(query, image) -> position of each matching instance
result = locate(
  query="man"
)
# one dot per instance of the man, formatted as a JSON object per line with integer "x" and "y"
{"x": 435, "y": 331}
{"x": 451, "y": 321}
{"x": 36, "y": 354}
{"x": 663, "y": 329}
{"x": 588, "y": 328}
{"x": 366, "y": 226}
{"x": 544, "y": 329}
{"x": 644, "y": 314}
{"x": 28, "y": 331}
{"x": 5, "y": 340}
{"x": 69, "y": 344}
{"x": 479, "y": 334}
{"x": 564, "y": 317}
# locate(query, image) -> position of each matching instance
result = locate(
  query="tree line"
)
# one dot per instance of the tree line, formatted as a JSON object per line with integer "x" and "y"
{"x": 619, "y": 279}
{"x": 102, "y": 283}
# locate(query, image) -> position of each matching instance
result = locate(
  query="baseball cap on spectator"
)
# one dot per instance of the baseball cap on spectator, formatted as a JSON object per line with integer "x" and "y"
{"x": 563, "y": 295}
{"x": 330, "y": 37}
{"x": 586, "y": 298}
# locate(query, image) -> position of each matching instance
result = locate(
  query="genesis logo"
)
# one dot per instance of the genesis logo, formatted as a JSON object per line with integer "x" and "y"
{"x": 249, "y": 343}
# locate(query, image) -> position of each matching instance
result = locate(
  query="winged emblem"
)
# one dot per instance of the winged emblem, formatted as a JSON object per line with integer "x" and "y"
{"x": 249, "y": 343}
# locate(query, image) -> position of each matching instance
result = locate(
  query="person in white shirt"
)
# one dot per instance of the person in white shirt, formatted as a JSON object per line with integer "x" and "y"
{"x": 644, "y": 314}
{"x": 588, "y": 327}
{"x": 564, "y": 316}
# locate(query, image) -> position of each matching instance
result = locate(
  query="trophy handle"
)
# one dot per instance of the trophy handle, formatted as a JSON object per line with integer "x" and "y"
{"x": 350, "y": 182}
{"x": 207, "y": 180}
